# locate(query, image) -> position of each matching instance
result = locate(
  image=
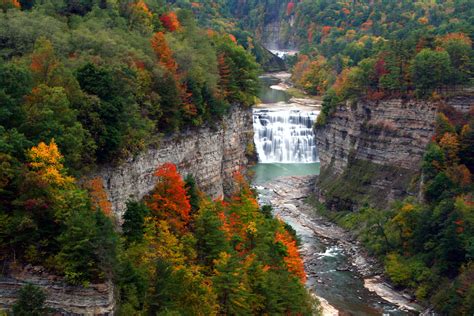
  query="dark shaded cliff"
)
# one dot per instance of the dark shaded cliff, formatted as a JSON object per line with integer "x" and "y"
{"x": 371, "y": 151}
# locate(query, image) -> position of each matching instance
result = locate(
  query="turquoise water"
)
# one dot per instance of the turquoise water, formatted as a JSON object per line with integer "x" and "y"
{"x": 265, "y": 172}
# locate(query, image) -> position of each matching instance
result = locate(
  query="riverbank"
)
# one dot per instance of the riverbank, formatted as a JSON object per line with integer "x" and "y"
{"x": 333, "y": 258}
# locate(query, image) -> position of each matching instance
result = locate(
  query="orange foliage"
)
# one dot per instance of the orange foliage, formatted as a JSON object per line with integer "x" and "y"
{"x": 99, "y": 196}
{"x": 170, "y": 21}
{"x": 232, "y": 38}
{"x": 141, "y": 6}
{"x": 460, "y": 175}
{"x": 367, "y": 25}
{"x": 450, "y": 143}
{"x": 423, "y": 20}
{"x": 456, "y": 37}
{"x": 341, "y": 81}
{"x": 7, "y": 4}
{"x": 346, "y": 11}
{"x": 292, "y": 259}
{"x": 325, "y": 30}
{"x": 169, "y": 201}
{"x": 163, "y": 52}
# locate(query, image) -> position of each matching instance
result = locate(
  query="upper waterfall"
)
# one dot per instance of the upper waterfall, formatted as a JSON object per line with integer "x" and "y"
{"x": 284, "y": 135}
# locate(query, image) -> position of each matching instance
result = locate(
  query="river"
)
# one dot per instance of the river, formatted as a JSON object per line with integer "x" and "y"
{"x": 346, "y": 281}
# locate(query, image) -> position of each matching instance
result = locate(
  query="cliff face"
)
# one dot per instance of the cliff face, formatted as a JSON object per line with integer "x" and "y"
{"x": 390, "y": 132}
{"x": 372, "y": 151}
{"x": 210, "y": 155}
{"x": 278, "y": 34}
{"x": 97, "y": 299}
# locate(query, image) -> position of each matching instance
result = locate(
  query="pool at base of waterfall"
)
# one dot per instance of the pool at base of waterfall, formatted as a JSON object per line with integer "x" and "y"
{"x": 265, "y": 172}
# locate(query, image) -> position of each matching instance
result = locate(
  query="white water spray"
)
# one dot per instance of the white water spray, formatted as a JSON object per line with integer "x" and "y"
{"x": 284, "y": 135}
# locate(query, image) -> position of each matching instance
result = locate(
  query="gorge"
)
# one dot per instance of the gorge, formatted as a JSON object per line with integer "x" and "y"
{"x": 227, "y": 158}
{"x": 340, "y": 273}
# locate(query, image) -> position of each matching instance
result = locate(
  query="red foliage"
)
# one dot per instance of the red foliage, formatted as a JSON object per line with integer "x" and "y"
{"x": 292, "y": 259}
{"x": 290, "y": 7}
{"x": 168, "y": 200}
{"x": 170, "y": 21}
{"x": 380, "y": 69}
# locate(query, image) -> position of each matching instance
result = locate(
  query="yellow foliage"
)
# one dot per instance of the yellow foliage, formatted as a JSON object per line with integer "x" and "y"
{"x": 46, "y": 161}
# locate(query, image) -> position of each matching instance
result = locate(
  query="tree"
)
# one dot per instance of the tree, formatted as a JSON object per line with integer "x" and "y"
{"x": 30, "y": 302}
{"x": 88, "y": 247}
{"x": 170, "y": 21}
{"x": 163, "y": 52}
{"x": 193, "y": 192}
{"x": 43, "y": 61}
{"x": 429, "y": 70}
{"x": 134, "y": 221}
{"x": 292, "y": 258}
{"x": 459, "y": 48}
{"x": 9, "y": 4}
{"x": 48, "y": 116}
{"x": 46, "y": 162}
{"x": 169, "y": 201}
{"x": 211, "y": 238}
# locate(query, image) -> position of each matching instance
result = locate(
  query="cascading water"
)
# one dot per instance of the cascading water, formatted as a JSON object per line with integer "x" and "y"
{"x": 284, "y": 135}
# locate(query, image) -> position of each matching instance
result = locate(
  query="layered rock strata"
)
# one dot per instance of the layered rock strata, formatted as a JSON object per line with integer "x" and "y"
{"x": 211, "y": 155}
{"x": 96, "y": 299}
{"x": 371, "y": 151}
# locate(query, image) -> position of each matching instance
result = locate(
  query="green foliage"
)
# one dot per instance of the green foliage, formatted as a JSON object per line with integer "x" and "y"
{"x": 227, "y": 263}
{"x": 88, "y": 247}
{"x": 193, "y": 192}
{"x": 426, "y": 246}
{"x": 430, "y": 69}
{"x": 134, "y": 221}
{"x": 30, "y": 302}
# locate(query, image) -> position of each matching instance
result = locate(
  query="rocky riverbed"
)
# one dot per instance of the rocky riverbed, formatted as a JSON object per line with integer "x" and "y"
{"x": 340, "y": 273}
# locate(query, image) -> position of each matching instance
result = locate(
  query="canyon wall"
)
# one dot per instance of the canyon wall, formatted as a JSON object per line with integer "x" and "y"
{"x": 96, "y": 299}
{"x": 371, "y": 151}
{"x": 279, "y": 34}
{"x": 211, "y": 155}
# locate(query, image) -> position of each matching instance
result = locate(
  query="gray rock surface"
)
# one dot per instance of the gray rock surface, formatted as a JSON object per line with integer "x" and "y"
{"x": 96, "y": 299}
{"x": 210, "y": 155}
{"x": 389, "y": 132}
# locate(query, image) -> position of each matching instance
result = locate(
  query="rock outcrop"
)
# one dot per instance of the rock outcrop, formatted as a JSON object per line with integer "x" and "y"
{"x": 96, "y": 299}
{"x": 392, "y": 132}
{"x": 211, "y": 155}
{"x": 371, "y": 151}
{"x": 278, "y": 35}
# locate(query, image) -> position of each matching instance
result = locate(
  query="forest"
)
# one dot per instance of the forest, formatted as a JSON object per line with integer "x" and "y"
{"x": 85, "y": 83}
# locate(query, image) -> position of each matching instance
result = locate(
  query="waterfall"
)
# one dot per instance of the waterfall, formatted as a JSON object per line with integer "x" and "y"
{"x": 284, "y": 135}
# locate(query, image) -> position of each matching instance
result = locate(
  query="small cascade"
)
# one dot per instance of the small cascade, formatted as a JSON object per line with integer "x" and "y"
{"x": 284, "y": 135}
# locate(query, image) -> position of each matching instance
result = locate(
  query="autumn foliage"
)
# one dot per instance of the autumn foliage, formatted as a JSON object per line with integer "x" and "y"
{"x": 169, "y": 200}
{"x": 163, "y": 52}
{"x": 292, "y": 259}
{"x": 98, "y": 195}
{"x": 170, "y": 21}
{"x": 289, "y": 7}
{"x": 46, "y": 161}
